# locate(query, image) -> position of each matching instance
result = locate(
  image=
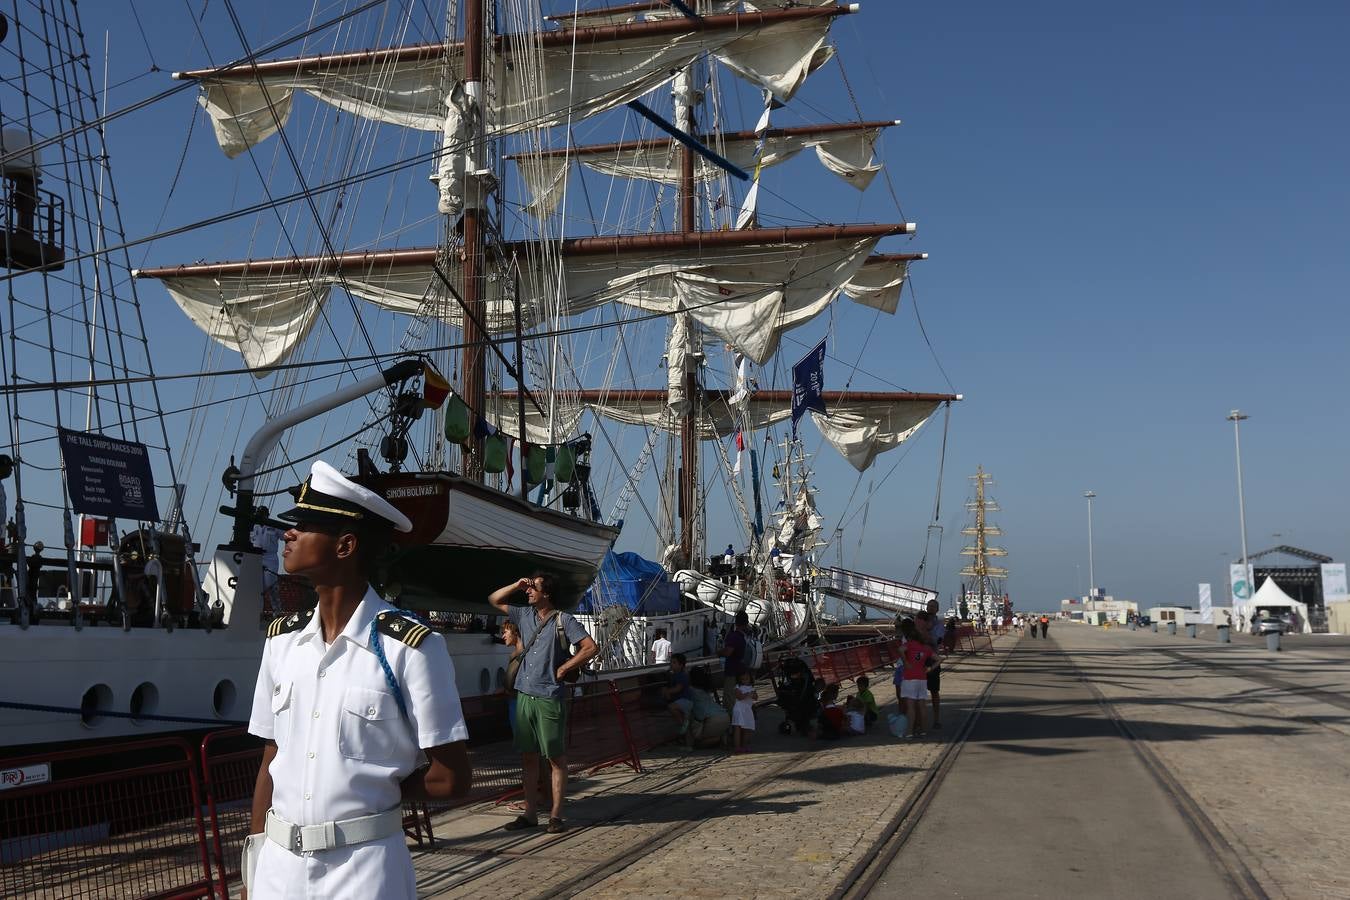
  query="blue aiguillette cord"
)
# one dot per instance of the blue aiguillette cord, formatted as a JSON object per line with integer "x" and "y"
{"x": 376, "y": 642}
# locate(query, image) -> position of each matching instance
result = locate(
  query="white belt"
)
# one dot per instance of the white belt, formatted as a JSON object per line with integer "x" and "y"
{"x": 330, "y": 835}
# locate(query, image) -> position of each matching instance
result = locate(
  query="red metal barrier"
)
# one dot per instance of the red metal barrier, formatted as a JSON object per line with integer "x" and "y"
{"x": 123, "y": 824}
{"x": 230, "y": 761}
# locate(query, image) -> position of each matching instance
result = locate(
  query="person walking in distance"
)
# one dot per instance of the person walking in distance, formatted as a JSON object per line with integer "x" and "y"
{"x": 541, "y": 689}
{"x": 357, "y": 708}
{"x": 661, "y": 648}
{"x": 937, "y": 633}
{"x": 1045, "y": 625}
{"x": 733, "y": 660}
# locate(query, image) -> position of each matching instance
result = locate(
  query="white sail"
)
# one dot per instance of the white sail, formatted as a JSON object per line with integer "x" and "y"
{"x": 406, "y": 86}
{"x": 859, "y": 429}
{"x": 848, "y": 154}
{"x": 747, "y": 295}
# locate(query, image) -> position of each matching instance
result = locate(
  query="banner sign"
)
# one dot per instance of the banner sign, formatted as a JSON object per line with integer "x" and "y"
{"x": 108, "y": 477}
{"x": 1334, "y": 584}
{"x": 24, "y": 776}
{"x": 808, "y": 381}
{"x": 1240, "y": 585}
{"x": 1206, "y": 608}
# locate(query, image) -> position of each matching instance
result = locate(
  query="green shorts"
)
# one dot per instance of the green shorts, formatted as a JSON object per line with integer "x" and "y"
{"x": 541, "y": 726}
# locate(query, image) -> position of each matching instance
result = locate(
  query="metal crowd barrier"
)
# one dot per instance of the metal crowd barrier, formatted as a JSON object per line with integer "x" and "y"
{"x": 95, "y": 828}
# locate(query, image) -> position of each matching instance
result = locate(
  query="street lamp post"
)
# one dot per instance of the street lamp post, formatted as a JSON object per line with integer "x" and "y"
{"x": 1092, "y": 576}
{"x": 1236, "y": 416}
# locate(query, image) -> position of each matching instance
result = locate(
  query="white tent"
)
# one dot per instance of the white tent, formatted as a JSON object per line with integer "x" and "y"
{"x": 1270, "y": 597}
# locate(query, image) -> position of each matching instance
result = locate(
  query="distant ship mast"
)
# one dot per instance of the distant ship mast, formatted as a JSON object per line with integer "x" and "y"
{"x": 982, "y": 595}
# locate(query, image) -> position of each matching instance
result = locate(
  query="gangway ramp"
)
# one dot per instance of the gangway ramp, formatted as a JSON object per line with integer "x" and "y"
{"x": 873, "y": 591}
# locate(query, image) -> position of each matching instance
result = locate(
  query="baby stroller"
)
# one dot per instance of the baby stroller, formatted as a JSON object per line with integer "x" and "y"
{"x": 794, "y": 688}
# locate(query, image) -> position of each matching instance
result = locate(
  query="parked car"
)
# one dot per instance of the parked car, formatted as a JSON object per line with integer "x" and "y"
{"x": 1268, "y": 625}
{"x": 1144, "y": 621}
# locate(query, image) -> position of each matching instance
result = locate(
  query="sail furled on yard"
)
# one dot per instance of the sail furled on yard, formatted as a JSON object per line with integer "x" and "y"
{"x": 746, "y": 288}
{"x": 847, "y": 151}
{"x": 860, "y": 425}
{"x": 581, "y": 73}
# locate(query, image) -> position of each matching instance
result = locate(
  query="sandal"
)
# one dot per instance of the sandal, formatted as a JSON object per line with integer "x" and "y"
{"x": 520, "y": 823}
{"x": 556, "y": 826}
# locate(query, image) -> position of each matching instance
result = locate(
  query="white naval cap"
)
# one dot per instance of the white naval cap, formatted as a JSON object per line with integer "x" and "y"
{"x": 327, "y": 495}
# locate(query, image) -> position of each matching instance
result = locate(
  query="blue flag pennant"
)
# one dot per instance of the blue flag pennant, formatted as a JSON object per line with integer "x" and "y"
{"x": 808, "y": 382}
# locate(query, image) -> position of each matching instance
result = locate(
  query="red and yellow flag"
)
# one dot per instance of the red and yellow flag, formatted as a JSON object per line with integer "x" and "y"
{"x": 434, "y": 387}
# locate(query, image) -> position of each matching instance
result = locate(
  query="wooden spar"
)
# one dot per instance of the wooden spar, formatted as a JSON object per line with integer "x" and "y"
{"x": 365, "y": 260}
{"x": 472, "y": 358}
{"x": 794, "y": 131}
{"x": 713, "y": 396}
{"x": 324, "y": 62}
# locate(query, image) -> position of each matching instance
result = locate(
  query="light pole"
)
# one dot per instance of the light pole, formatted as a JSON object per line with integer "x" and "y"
{"x": 1092, "y": 576}
{"x": 1235, "y": 416}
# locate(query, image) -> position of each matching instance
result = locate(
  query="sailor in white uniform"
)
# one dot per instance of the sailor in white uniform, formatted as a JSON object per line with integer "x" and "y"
{"x": 358, "y": 706}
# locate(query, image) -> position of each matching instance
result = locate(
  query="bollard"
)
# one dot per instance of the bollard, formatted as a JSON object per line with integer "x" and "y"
{"x": 1134, "y": 626}
{"x": 1155, "y": 627}
{"x": 1171, "y": 627}
{"x": 1191, "y": 630}
{"x": 1273, "y": 640}
{"x": 1223, "y": 634}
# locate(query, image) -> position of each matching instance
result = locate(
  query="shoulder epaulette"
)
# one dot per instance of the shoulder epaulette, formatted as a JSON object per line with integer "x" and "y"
{"x": 401, "y": 628}
{"x": 287, "y": 624}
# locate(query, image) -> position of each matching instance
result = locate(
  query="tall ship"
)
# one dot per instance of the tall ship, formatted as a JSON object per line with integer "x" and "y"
{"x": 984, "y": 597}
{"x": 524, "y": 276}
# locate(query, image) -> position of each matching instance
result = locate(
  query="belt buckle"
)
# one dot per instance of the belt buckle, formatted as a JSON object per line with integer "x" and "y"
{"x": 297, "y": 839}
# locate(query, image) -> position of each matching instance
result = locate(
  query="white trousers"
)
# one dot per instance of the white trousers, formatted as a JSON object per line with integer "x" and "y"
{"x": 374, "y": 869}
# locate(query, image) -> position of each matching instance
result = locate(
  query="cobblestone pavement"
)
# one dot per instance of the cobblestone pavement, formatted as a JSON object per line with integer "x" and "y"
{"x": 1258, "y": 739}
{"x": 788, "y": 819}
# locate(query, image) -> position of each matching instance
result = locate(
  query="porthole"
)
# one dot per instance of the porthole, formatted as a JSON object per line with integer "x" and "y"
{"x": 484, "y": 682}
{"x": 501, "y": 678}
{"x": 95, "y": 702}
{"x": 144, "y": 701}
{"x": 223, "y": 700}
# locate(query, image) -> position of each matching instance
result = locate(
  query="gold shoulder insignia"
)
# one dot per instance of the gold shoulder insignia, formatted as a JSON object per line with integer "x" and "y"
{"x": 287, "y": 624}
{"x": 401, "y": 628}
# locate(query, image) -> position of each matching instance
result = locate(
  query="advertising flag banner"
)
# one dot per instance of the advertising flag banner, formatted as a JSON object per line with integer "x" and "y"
{"x": 1240, "y": 587}
{"x": 1206, "y": 605}
{"x": 1334, "y": 584}
{"x": 107, "y": 477}
{"x": 808, "y": 381}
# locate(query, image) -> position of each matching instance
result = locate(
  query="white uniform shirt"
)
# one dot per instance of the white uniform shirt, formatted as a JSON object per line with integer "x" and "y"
{"x": 661, "y": 647}
{"x": 343, "y": 747}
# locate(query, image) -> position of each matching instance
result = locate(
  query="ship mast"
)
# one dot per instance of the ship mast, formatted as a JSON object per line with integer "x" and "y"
{"x": 475, "y": 310}
{"x": 688, "y": 471}
{"x": 982, "y": 586}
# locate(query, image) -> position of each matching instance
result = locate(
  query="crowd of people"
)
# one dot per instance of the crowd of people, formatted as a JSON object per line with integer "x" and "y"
{"x": 1028, "y": 625}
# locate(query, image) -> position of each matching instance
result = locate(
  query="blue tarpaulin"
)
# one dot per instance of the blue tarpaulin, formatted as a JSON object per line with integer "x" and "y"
{"x": 628, "y": 580}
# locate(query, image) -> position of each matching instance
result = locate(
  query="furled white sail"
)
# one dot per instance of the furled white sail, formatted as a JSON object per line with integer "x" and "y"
{"x": 878, "y": 284}
{"x": 406, "y": 86}
{"x": 847, "y": 154}
{"x": 858, "y": 429}
{"x": 746, "y": 295}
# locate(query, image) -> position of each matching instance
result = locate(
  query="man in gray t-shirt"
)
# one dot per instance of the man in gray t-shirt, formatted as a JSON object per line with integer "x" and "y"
{"x": 541, "y": 688}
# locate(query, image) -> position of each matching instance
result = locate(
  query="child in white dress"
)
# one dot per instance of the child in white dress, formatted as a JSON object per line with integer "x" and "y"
{"x": 743, "y": 712}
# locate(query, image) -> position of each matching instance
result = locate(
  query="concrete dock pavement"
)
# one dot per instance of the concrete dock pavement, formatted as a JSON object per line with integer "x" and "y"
{"x": 1049, "y": 799}
{"x": 1098, "y": 763}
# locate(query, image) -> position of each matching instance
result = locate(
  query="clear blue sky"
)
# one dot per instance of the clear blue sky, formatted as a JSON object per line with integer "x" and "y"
{"x": 1137, "y": 221}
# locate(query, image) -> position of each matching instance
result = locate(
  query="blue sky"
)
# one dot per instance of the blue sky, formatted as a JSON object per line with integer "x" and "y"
{"x": 1136, "y": 218}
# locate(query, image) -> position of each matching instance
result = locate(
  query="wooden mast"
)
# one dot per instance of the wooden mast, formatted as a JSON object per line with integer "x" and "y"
{"x": 472, "y": 360}
{"x": 689, "y": 444}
